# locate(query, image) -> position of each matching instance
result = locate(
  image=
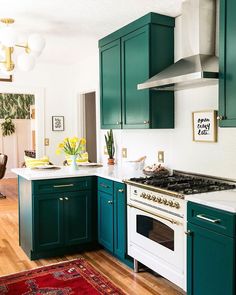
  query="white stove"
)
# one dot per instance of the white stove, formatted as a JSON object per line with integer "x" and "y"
{"x": 156, "y": 214}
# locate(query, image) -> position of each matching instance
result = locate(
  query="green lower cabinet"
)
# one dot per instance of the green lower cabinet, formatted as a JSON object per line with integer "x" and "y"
{"x": 77, "y": 211}
{"x": 210, "y": 256}
{"x": 112, "y": 219}
{"x": 119, "y": 220}
{"x": 105, "y": 220}
{"x": 48, "y": 222}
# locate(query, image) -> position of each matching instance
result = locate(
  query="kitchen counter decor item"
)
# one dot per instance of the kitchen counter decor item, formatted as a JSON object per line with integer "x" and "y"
{"x": 156, "y": 170}
{"x": 110, "y": 147}
{"x": 73, "y": 147}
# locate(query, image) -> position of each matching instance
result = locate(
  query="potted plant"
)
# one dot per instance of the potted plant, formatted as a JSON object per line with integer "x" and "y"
{"x": 8, "y": 127}
{"x": 110, "y": 146}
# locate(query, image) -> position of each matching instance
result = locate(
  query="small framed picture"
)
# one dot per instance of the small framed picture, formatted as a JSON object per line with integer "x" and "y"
{"x": 57, "y": 123}
{"x": 204, "y": 126}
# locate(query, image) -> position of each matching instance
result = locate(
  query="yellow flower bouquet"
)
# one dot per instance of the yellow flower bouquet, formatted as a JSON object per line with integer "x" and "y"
{"x": 72, "y": 147}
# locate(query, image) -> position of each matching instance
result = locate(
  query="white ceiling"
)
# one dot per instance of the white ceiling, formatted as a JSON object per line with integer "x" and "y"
{"x": 72, "y": 27}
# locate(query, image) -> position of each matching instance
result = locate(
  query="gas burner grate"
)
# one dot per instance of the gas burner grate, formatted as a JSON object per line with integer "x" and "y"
{"x": 185, "y": 184}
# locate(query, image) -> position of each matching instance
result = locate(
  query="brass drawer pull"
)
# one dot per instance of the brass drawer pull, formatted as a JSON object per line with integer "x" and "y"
{"x": 63, "y": 185}
{"x": 200, "y": 216}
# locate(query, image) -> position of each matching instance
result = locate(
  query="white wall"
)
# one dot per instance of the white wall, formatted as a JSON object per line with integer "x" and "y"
{"x": 56, "y": 83}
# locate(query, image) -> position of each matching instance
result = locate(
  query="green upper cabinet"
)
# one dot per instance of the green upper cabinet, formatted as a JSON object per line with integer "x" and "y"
{"x": 145, "y": 47}
{"x": 110, "y": 85}
{"x": 227, "y": 86}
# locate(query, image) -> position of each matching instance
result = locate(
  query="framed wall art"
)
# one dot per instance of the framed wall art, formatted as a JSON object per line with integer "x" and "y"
{"x": 58, "y": 123}
{"x": 204, "y": 126}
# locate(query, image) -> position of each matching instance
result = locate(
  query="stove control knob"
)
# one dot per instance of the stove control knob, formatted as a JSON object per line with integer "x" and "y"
{"x": 176, "y": 205}
{"x": 143, "y": 195}
{"x": 170, "y": 203}
{"x": 160, "y": 200}
{"x": 165, "y": 201}
{"x": 149, "y": 197}
{"x": 154, "y": 199}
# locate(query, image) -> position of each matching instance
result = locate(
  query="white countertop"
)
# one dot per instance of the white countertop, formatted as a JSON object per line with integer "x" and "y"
{"x": 115, "y": 172}
{"x": 223, "y": 200}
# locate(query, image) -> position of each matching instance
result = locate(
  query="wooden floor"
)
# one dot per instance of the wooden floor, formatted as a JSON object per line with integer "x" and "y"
{"x": 13, "y": 259}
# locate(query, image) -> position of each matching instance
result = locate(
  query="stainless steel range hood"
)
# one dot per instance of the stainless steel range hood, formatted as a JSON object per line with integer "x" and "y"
{"x": 200, "y": 65}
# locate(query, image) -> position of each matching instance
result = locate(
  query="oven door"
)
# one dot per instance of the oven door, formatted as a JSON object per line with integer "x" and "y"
{"x": 161, "y": 234}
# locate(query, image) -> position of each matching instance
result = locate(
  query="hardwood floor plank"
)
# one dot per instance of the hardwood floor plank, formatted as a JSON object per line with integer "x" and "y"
{"x": 13, "y": 258}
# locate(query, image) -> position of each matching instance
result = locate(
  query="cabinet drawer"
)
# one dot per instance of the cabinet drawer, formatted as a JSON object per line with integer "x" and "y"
{"x": 214, "y": 219}
{"x": 105, "y": 185}
{"x": 61, "y": 185}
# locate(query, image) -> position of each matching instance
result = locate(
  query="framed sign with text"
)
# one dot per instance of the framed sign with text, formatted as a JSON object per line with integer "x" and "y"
{"x": 204, "y": 126}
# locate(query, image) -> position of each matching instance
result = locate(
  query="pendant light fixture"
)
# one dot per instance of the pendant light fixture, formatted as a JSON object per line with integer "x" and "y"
{"x": 8, "y": 42}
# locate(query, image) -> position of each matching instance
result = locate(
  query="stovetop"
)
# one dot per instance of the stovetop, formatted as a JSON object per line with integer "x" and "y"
{"x": 184, "y": 184}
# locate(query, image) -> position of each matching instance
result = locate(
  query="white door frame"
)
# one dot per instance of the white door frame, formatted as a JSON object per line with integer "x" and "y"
{"x": 39, "y": 94}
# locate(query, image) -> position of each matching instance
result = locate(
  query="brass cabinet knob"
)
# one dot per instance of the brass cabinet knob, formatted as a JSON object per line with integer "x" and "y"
{"x": 61, "y": 199}
{"x": 188, "y": 232}
{"x": 66, "y": 198}
{"x": 145, "y": 122}
{"x": 220, "y": 118}
{"x": 120, "y": 190}
{"x": 109, "y": 202}
{"x": 118, "y": 123}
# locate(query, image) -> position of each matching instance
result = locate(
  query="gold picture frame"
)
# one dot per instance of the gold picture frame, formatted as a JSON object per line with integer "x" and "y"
{"x": 204, "y": 125}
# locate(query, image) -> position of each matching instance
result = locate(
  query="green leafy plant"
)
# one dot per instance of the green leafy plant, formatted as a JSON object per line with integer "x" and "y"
{"x": 8, "y": 127}
{"x": 110, "y": 144}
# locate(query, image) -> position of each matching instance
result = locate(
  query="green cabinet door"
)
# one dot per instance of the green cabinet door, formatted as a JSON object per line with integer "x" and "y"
{"x": 110, "y": 86}
{"x": 135, "y": 70}
{"x": 48, "y": 222}
{"x": 77, "y": 217}
{"x": 120, "y": 232}
{"x": 210, "y": 262}
{"x": 227, "y": 83}
{"x": 105, "y": 220}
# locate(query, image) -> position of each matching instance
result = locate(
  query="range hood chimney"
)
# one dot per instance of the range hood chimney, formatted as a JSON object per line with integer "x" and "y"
{"x": 200, "y": 65}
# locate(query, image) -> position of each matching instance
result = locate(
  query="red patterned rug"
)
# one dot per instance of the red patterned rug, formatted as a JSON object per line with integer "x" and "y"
{"x": 73, "y": 277}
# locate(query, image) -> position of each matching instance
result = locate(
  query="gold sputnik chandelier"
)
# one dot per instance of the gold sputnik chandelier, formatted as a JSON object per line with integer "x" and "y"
{"x": 8, "y": 41}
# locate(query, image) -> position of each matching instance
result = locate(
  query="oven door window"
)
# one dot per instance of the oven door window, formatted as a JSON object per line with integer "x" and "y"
{"x": 156, "y": 231}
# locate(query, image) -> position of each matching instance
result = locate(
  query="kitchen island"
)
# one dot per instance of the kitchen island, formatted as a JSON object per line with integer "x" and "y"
{"x": 61, "y": 211}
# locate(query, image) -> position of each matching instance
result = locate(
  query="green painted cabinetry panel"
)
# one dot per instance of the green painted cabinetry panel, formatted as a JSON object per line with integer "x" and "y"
{"x": 110, "y": 85}
{"x": 48, "y": 221}
{"x": 105, "y": 220}
{"x": 145, "y": 50}
{"x": 112, "y": 219}
{"x": 227, "y": 84}
{"x": 120, "y": 218}
{"x": 135, "y": 70}
{"x": 77, "y": 218}
{"x": 210, "y": 254}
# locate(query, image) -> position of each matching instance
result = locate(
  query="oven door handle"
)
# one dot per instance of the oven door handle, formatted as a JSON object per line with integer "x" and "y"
{"x": 156, "y": 215}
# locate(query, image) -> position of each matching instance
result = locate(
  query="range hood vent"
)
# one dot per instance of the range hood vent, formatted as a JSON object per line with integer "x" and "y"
{"x": 200, "y": 66}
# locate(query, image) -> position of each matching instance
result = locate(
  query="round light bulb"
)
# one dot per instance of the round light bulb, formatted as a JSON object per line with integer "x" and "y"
{"x": 25, "y": 62}
{"x": 8, "y": 36}
{"x": 36, "y": 44}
